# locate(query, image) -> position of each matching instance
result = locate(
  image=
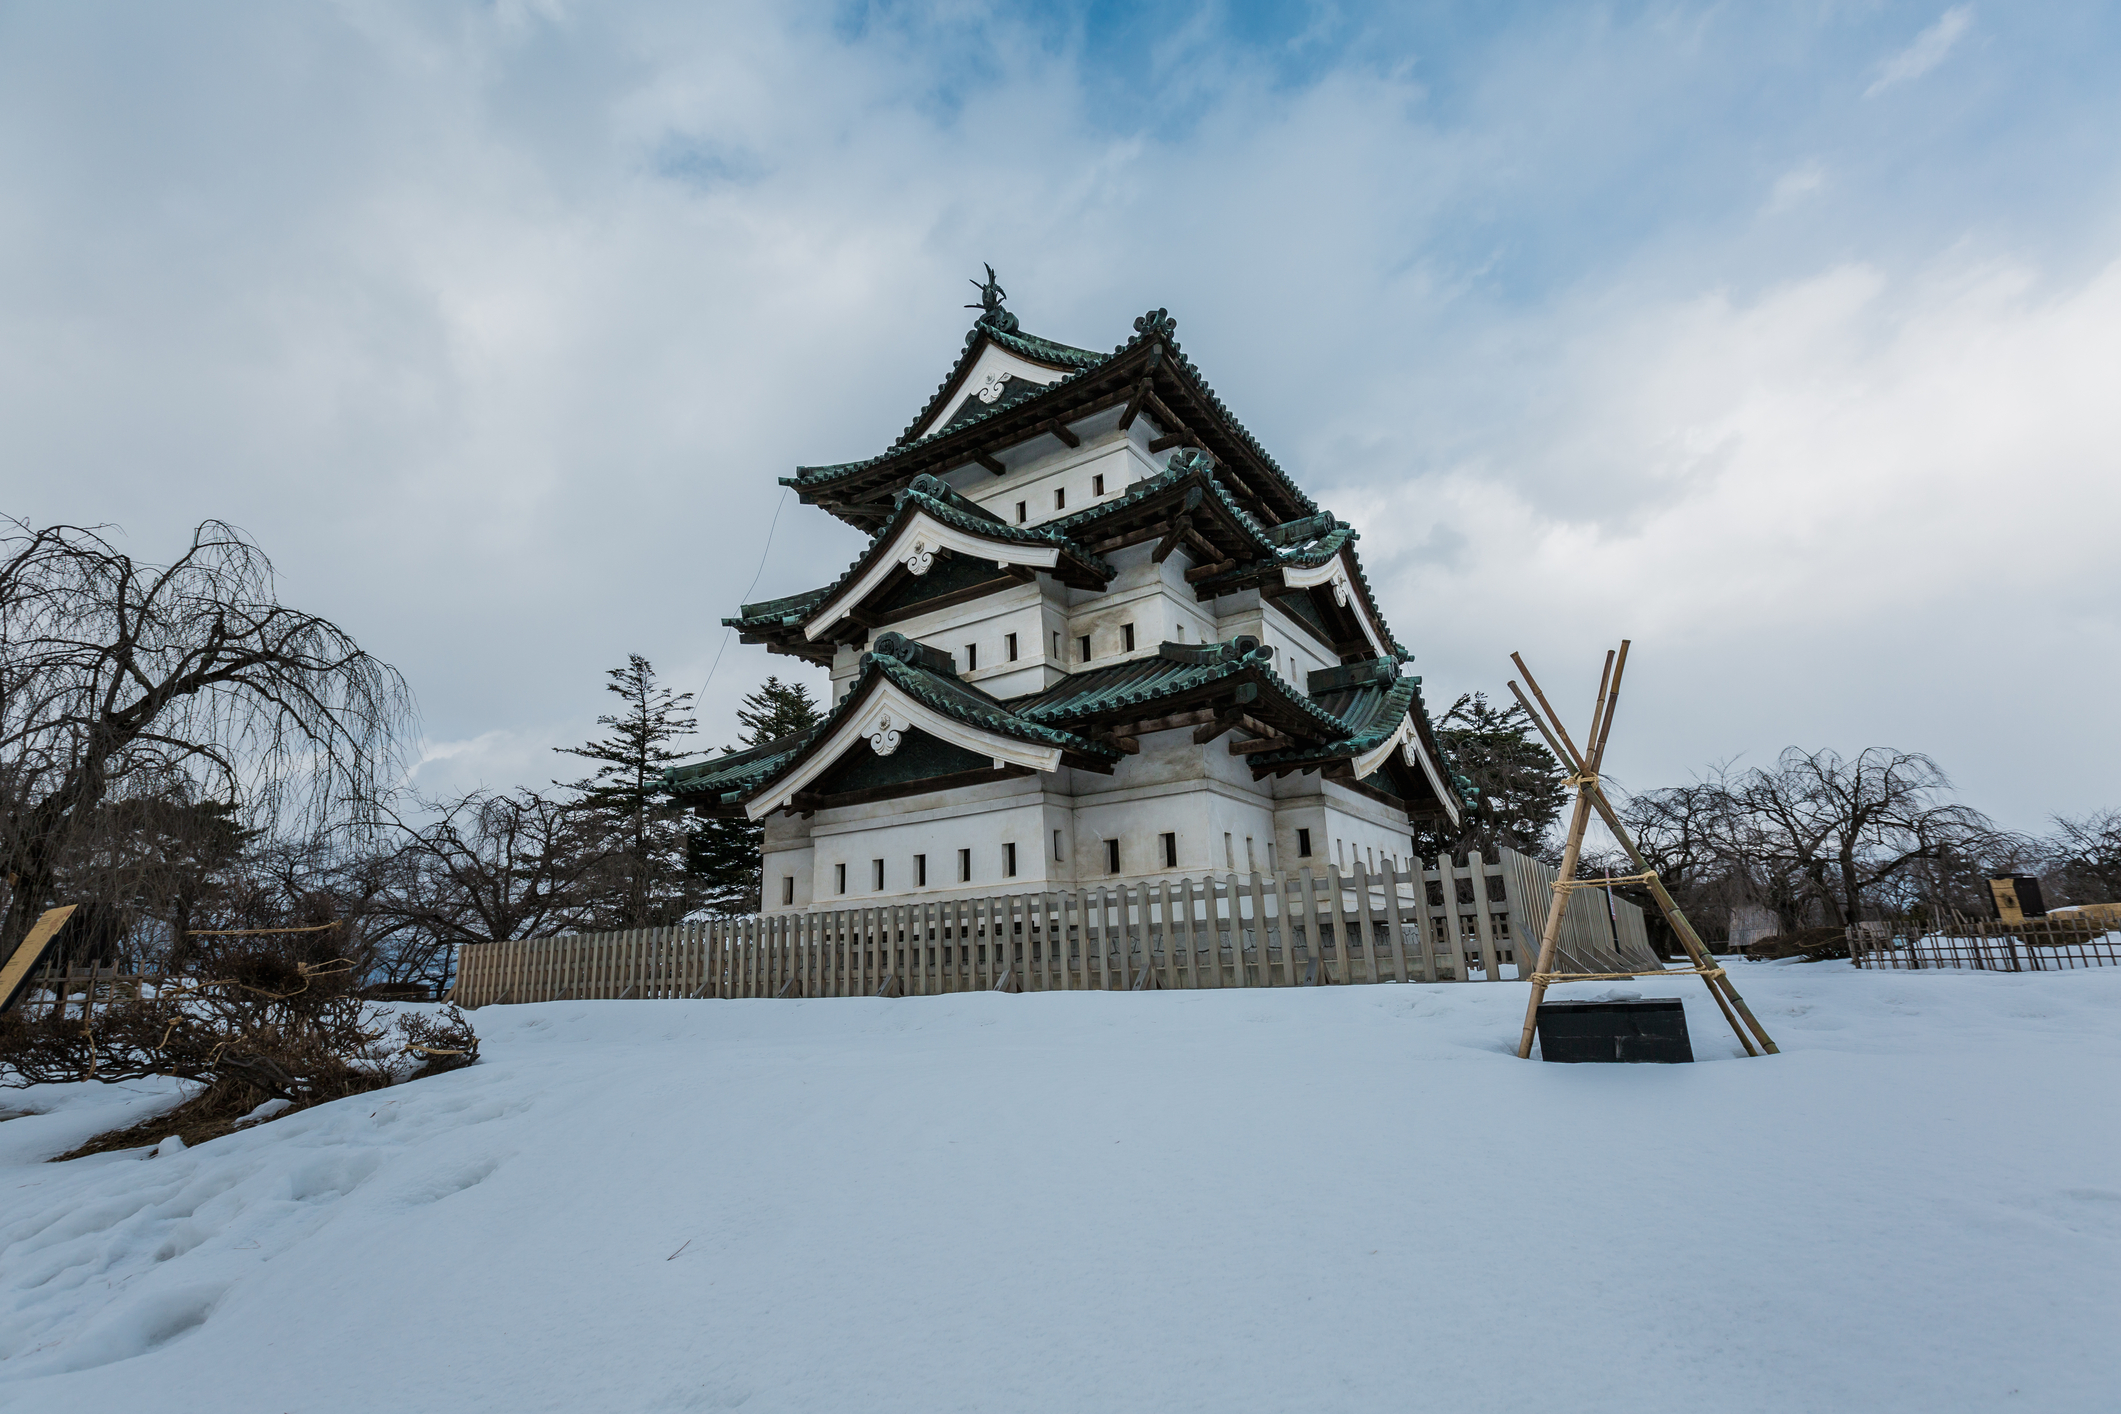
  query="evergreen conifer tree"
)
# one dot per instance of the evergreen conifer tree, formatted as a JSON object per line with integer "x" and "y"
{"x": 723, "y": 854}
{"x": 643, "y": 829}
{"x": 1517, "y": 786}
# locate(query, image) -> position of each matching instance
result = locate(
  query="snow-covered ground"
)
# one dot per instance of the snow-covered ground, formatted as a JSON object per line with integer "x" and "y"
{"x": 1344, "y": 1198}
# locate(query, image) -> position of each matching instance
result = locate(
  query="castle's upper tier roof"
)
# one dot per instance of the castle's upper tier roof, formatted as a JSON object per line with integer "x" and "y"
{"x": 1148, "y": 375}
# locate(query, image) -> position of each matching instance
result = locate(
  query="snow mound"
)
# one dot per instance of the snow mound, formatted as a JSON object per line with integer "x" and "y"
{"x": 1345, "y": 1198}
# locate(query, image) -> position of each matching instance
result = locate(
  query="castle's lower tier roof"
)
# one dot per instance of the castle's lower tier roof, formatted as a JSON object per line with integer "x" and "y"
{"x": 1354, "y": 724}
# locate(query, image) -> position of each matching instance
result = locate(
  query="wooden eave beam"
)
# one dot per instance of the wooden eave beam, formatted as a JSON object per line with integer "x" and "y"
{"x": 1163, "y": 724}
{"x": 1180, "y": 438}
{"x": 1260, "y": 744}
{"x": 1200, "y": 542}
{"x": 1209, "y": 571}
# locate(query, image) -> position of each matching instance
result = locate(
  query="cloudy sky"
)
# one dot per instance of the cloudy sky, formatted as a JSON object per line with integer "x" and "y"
{"x": 1785, "y": 340}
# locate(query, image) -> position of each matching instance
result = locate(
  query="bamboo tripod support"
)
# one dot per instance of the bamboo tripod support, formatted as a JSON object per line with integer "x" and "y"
{"x": 1590, "y": 795}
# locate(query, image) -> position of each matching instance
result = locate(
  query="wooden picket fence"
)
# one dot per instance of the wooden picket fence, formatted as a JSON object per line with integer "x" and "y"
{"x": 1439, "y": 924}
{"x": 2054, "y": 944}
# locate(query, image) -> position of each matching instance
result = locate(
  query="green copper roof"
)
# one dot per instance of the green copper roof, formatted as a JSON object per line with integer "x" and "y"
{"x": 1176, "y": 670}
{"x": 768, "y": 613}
{"x": 929, "y": 495}
{"x": 1156, "y": 326}
{"x": 735, "y": 773}
{"x": 923, "y": 674}
{"x": 956, "y": 698}
{"x": 1367, "y": 713}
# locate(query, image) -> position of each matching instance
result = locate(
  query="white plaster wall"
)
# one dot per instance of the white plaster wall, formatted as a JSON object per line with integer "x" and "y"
{"x": 1154, "y": 598}
{"x": 846, "y": 662}
{"x": 1220, "y": 819}
{"x": 1297, "y": 650}
{"x": 1035, "y": 469}
{"x": 980, "y": 818}
{"x": 986, "y": 623}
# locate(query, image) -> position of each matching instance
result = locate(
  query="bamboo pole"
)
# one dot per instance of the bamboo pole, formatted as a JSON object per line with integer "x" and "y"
{"x": 1591, "y": 795}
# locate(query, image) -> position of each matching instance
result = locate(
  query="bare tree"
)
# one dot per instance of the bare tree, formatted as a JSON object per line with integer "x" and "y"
{"x": 1841, "y": 829}
{"x": 115, "y": 673}
{"x": 489, "y": 867}
{"x": 2087, "y": 858}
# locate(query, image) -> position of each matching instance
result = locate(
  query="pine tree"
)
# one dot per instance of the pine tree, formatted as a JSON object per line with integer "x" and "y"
{"x": 643, "y": 829}
{"x": 723, "y": 854}
{"x": 1517, "y": 787}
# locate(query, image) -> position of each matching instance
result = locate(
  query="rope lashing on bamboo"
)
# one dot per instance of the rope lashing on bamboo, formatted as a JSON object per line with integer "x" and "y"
{"x": 1550, "y": 978}
{"x": 1563, "y": 885}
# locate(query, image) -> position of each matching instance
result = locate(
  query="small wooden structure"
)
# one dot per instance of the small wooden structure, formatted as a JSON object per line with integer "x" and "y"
{"x": 15, "y": 972}
{"x": 1590, "y": 795}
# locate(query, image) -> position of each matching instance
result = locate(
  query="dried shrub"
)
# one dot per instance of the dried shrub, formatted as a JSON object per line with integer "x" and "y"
{"x": 1809, "y": 944}
{"x": 265, "y": 1023}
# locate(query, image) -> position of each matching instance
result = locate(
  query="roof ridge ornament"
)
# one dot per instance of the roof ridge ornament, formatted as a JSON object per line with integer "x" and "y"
{"x": 991, "y": 295}
{"x": 1155, "y": 322}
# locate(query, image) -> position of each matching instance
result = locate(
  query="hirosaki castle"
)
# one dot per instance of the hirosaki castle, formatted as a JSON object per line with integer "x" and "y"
{"x": 1098, "y": 634}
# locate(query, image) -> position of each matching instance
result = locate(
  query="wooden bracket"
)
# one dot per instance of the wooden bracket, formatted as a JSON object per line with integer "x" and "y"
{"x": 1008, "y": 982}
{"x": 1180, "y": 438}
{"x": 1265, "y": 743}
{"x": 989, "y": 462}
{"x": 890, "y": 987}
{"x": 1180, "y": 527}
{"x": 1060, "y": 429}
{"x": 792, "y": 987}
{"x": 1203, "y": 735}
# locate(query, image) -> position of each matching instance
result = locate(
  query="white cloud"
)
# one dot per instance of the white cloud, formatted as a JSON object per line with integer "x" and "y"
{"x": 498, "y": 331}
{"x": 1926, "y": 53}
{"x": 1795, "y": 186}
{"x": 1848, "y": 510}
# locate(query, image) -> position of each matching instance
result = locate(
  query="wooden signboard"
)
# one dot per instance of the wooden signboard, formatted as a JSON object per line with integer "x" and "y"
{"x": 2017, "y": 898}
{"x": 14, "y": 976}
